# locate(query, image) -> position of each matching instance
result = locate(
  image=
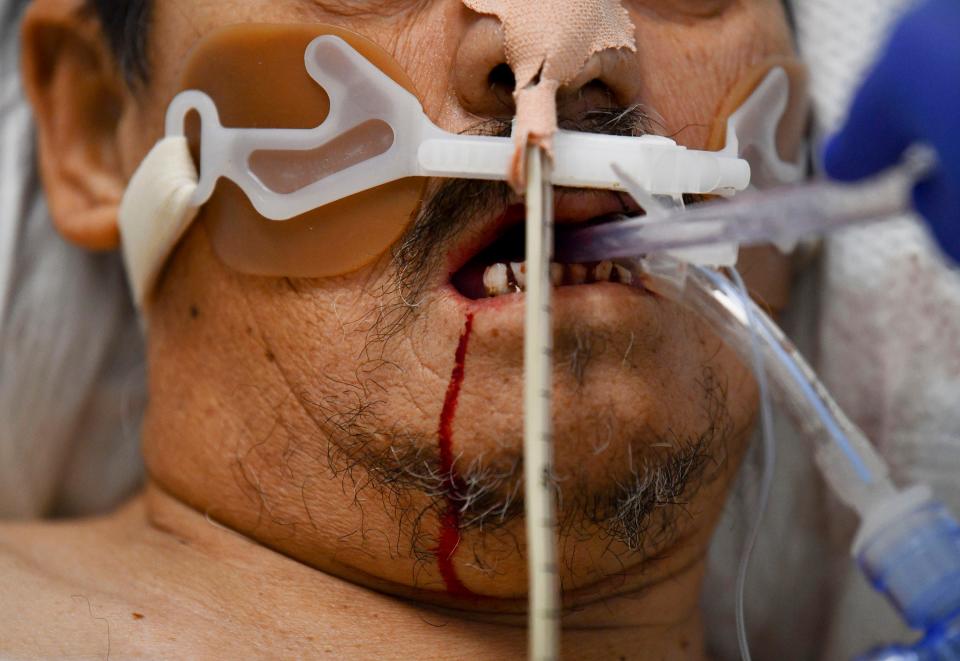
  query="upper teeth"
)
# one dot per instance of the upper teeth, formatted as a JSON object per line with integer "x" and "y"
{"x": 499, "y": 279}
{"x": 603, "y": 270}
{"x": 578, "y": 274}
{"x": 495, "y": 280}
{"x": 623, "y": 274}
{"x": 519, "y": 270}
{"x": 556, "y": 274}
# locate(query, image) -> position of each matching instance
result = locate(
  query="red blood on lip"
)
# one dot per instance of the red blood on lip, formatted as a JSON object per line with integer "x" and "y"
{"x": 449, "y": 537}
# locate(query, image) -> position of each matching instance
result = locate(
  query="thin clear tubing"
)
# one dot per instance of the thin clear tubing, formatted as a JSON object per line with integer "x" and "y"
{"x": 850, "y": 465}
{"x": 909, "y": 544}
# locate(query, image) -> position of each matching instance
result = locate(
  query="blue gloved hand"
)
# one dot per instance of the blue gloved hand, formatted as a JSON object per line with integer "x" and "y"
{"x": 912, "y": 95}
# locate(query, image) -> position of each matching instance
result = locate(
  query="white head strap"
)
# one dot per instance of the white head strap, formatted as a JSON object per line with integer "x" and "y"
{"x": 390, "y": 138}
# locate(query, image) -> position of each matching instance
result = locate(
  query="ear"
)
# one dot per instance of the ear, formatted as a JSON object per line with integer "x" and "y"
{"x": 78, "y": 97}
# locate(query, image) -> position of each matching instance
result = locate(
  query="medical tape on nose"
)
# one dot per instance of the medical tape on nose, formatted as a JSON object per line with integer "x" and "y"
{"x": 547, "y": 44}
{"x": 312, "y": 159}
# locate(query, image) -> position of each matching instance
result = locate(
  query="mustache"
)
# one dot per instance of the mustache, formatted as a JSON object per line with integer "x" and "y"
{"x": 453, "y": 203}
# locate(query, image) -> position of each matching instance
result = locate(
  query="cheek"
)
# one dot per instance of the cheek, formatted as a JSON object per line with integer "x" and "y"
{"x": 356, "y": 357}
{"x": 425, "y": 46}
{"x": 689, "y": 68}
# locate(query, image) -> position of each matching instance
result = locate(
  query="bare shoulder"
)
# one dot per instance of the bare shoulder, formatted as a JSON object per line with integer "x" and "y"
{"x": 121, "y": 587}
{"x": 84, "y": 590}
{"x": 125, "y": 587}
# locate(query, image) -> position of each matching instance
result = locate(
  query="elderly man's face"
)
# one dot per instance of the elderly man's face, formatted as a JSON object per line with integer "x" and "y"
{"x": 371, "y": 424}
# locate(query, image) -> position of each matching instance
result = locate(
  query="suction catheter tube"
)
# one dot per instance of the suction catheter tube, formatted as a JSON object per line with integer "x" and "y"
{"x": 908, "y": 545}
{"x": 544, "y": 584}
{"x": 849, "y": 463}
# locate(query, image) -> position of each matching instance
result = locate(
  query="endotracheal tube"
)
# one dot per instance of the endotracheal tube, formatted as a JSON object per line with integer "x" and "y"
{"x": 908, "y": 544}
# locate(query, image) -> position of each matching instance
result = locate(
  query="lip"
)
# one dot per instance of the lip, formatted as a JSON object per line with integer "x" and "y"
{"x": 506, "y": 313}
{"x": 571, "y": 206}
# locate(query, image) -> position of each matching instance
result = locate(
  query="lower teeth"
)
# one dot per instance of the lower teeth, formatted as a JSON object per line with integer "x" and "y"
{"x": 500, "y": 279}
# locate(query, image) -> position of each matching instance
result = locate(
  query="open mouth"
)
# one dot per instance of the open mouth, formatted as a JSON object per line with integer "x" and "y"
{"x": 499, "y": 269}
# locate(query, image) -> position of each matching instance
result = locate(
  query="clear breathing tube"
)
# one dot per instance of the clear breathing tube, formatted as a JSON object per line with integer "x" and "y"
{"x": 908, "y": 544}
{"x": 851, "y": 466}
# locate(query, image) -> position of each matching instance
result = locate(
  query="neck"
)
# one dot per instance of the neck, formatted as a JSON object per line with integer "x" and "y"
{"x": 272, "y": 586}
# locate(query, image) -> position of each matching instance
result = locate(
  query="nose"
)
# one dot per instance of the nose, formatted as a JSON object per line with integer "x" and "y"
{"x": 485, "y": 83}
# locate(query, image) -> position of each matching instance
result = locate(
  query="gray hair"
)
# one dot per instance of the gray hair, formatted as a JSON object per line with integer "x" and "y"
{"x": 72, "y": 387}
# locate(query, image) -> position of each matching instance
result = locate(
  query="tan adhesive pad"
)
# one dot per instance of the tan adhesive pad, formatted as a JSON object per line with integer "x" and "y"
{"x": 791, "y": 130}
{"x": 256, "y": 76}
{"x": 547, "y": 44}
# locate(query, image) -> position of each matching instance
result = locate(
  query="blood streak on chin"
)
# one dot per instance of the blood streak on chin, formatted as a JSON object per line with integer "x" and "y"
{"x": 449, "y": 537}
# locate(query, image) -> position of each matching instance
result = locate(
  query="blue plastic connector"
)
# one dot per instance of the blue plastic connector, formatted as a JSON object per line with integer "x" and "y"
{"x": 910, "y": 551}
{"x": 939, "y": 644}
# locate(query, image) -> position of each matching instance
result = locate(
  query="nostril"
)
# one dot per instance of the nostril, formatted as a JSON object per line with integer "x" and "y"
{"x": 483, "y": 81}
{"x": 501, "y": 79}
{"x": 598, "y": 91}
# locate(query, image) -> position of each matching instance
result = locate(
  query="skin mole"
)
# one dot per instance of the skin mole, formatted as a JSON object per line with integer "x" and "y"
{"x": 296, "y": 447}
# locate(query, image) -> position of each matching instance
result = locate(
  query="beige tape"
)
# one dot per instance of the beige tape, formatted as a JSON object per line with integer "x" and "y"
{"x": 547, "y": 44}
